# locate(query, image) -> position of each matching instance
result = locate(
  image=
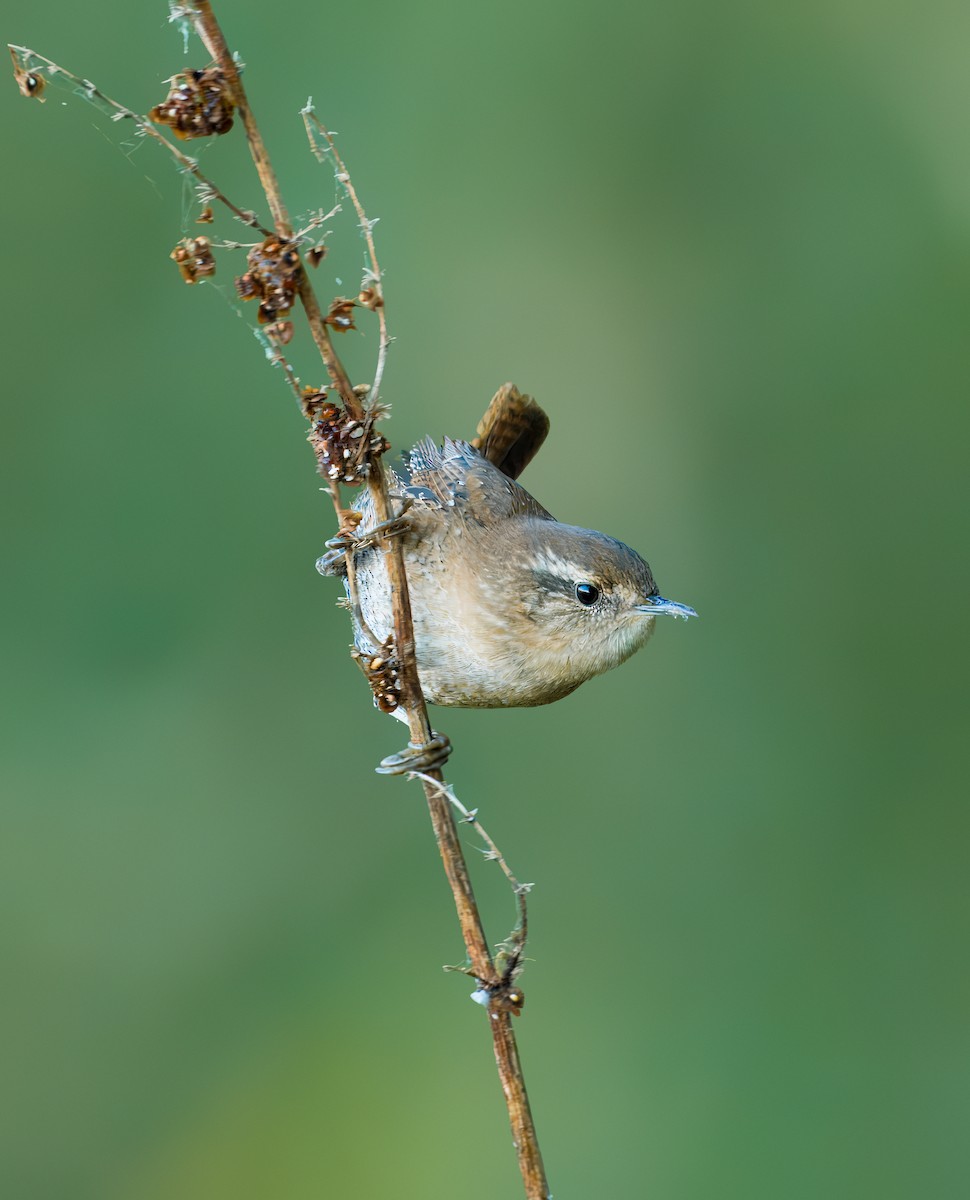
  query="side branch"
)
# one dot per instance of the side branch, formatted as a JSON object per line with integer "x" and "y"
{"x": 24, "y": 59}
{"x": 375, "y": 282}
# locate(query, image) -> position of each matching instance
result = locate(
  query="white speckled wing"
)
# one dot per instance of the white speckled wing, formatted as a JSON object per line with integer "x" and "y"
{"x": 456, "y": 476}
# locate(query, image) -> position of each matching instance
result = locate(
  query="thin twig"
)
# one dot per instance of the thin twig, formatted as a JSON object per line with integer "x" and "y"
{"x": 279, "y": 359}
{"x": 470, "y": 817}
{"x": 316, "y": 222}
{"x": 375, "y": 279}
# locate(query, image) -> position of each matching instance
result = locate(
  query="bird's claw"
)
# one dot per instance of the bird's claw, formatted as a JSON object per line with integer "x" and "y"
{"x": 429, "y": 756}
{"x": 386, "y": 529}
{"x": 331, "y": 563}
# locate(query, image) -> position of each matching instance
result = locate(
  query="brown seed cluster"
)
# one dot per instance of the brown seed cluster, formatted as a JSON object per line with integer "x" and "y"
{"x": 381, "y": 673}
{"x": 506, "y": 998}
{"x": 198, "y": 104}
{"x": 343, "y": 445}
{"x": 273, "y": 278}
{"x": 194, "y": 258}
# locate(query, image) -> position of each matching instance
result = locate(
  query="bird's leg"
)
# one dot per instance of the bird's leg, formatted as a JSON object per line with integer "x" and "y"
{"x": 428, "y": 756}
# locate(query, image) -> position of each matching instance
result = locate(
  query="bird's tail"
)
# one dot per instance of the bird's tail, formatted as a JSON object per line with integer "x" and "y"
{"x": 512, "y": 430}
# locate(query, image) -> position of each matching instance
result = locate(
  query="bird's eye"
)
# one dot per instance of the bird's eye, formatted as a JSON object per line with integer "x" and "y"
{"x": 587, "y": 593}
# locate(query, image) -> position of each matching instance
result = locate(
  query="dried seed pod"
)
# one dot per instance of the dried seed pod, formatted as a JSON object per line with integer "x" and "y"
{"x": 313, "y": 401}
{"x": 316, "y": 256}
{"x": 340, "y": 315}
{"x": 194, "y": 258}
{"x": 206, "y": 216}
{"x": 381, "y": 673}
{"x": 280, "y": 332}
{"x": 506, "y": 999}
{"x": 370, "y": 298}
{"x": 273, "y": 277}
{"x": 30, "y": 83}
{"x": 199, "y": 104}
{"x": 246, "y": 287}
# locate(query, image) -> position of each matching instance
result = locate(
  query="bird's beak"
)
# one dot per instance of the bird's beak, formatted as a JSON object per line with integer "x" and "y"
{"x": 657, "y": 604}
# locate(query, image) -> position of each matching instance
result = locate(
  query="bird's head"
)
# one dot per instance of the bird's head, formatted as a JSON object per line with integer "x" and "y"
{"x": 589, "y": 600}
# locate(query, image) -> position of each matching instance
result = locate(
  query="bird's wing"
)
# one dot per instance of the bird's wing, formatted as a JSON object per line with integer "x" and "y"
{"x": 456, "y": 476}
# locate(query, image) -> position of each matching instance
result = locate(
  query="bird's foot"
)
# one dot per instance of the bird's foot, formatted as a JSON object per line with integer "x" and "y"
{"x": 429, "y": 756}
{"x": 333, "y": 563}
{"x": 386, "y": 529}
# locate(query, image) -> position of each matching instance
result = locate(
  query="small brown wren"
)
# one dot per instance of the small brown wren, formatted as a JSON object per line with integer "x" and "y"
{"x": 510, "y": 607}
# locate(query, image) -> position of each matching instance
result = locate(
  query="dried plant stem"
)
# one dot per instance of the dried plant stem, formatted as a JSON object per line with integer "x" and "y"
{"x": 503, "y": 1034}
{"x": 517, "y": 1101}
{"x": 446, "y": 834}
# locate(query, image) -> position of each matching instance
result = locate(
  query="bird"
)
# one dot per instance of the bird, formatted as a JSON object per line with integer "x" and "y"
{"x": 511, "y": 608}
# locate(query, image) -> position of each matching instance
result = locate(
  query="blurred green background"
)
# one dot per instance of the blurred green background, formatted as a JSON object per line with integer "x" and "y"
{"x": 728, "y": 248}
